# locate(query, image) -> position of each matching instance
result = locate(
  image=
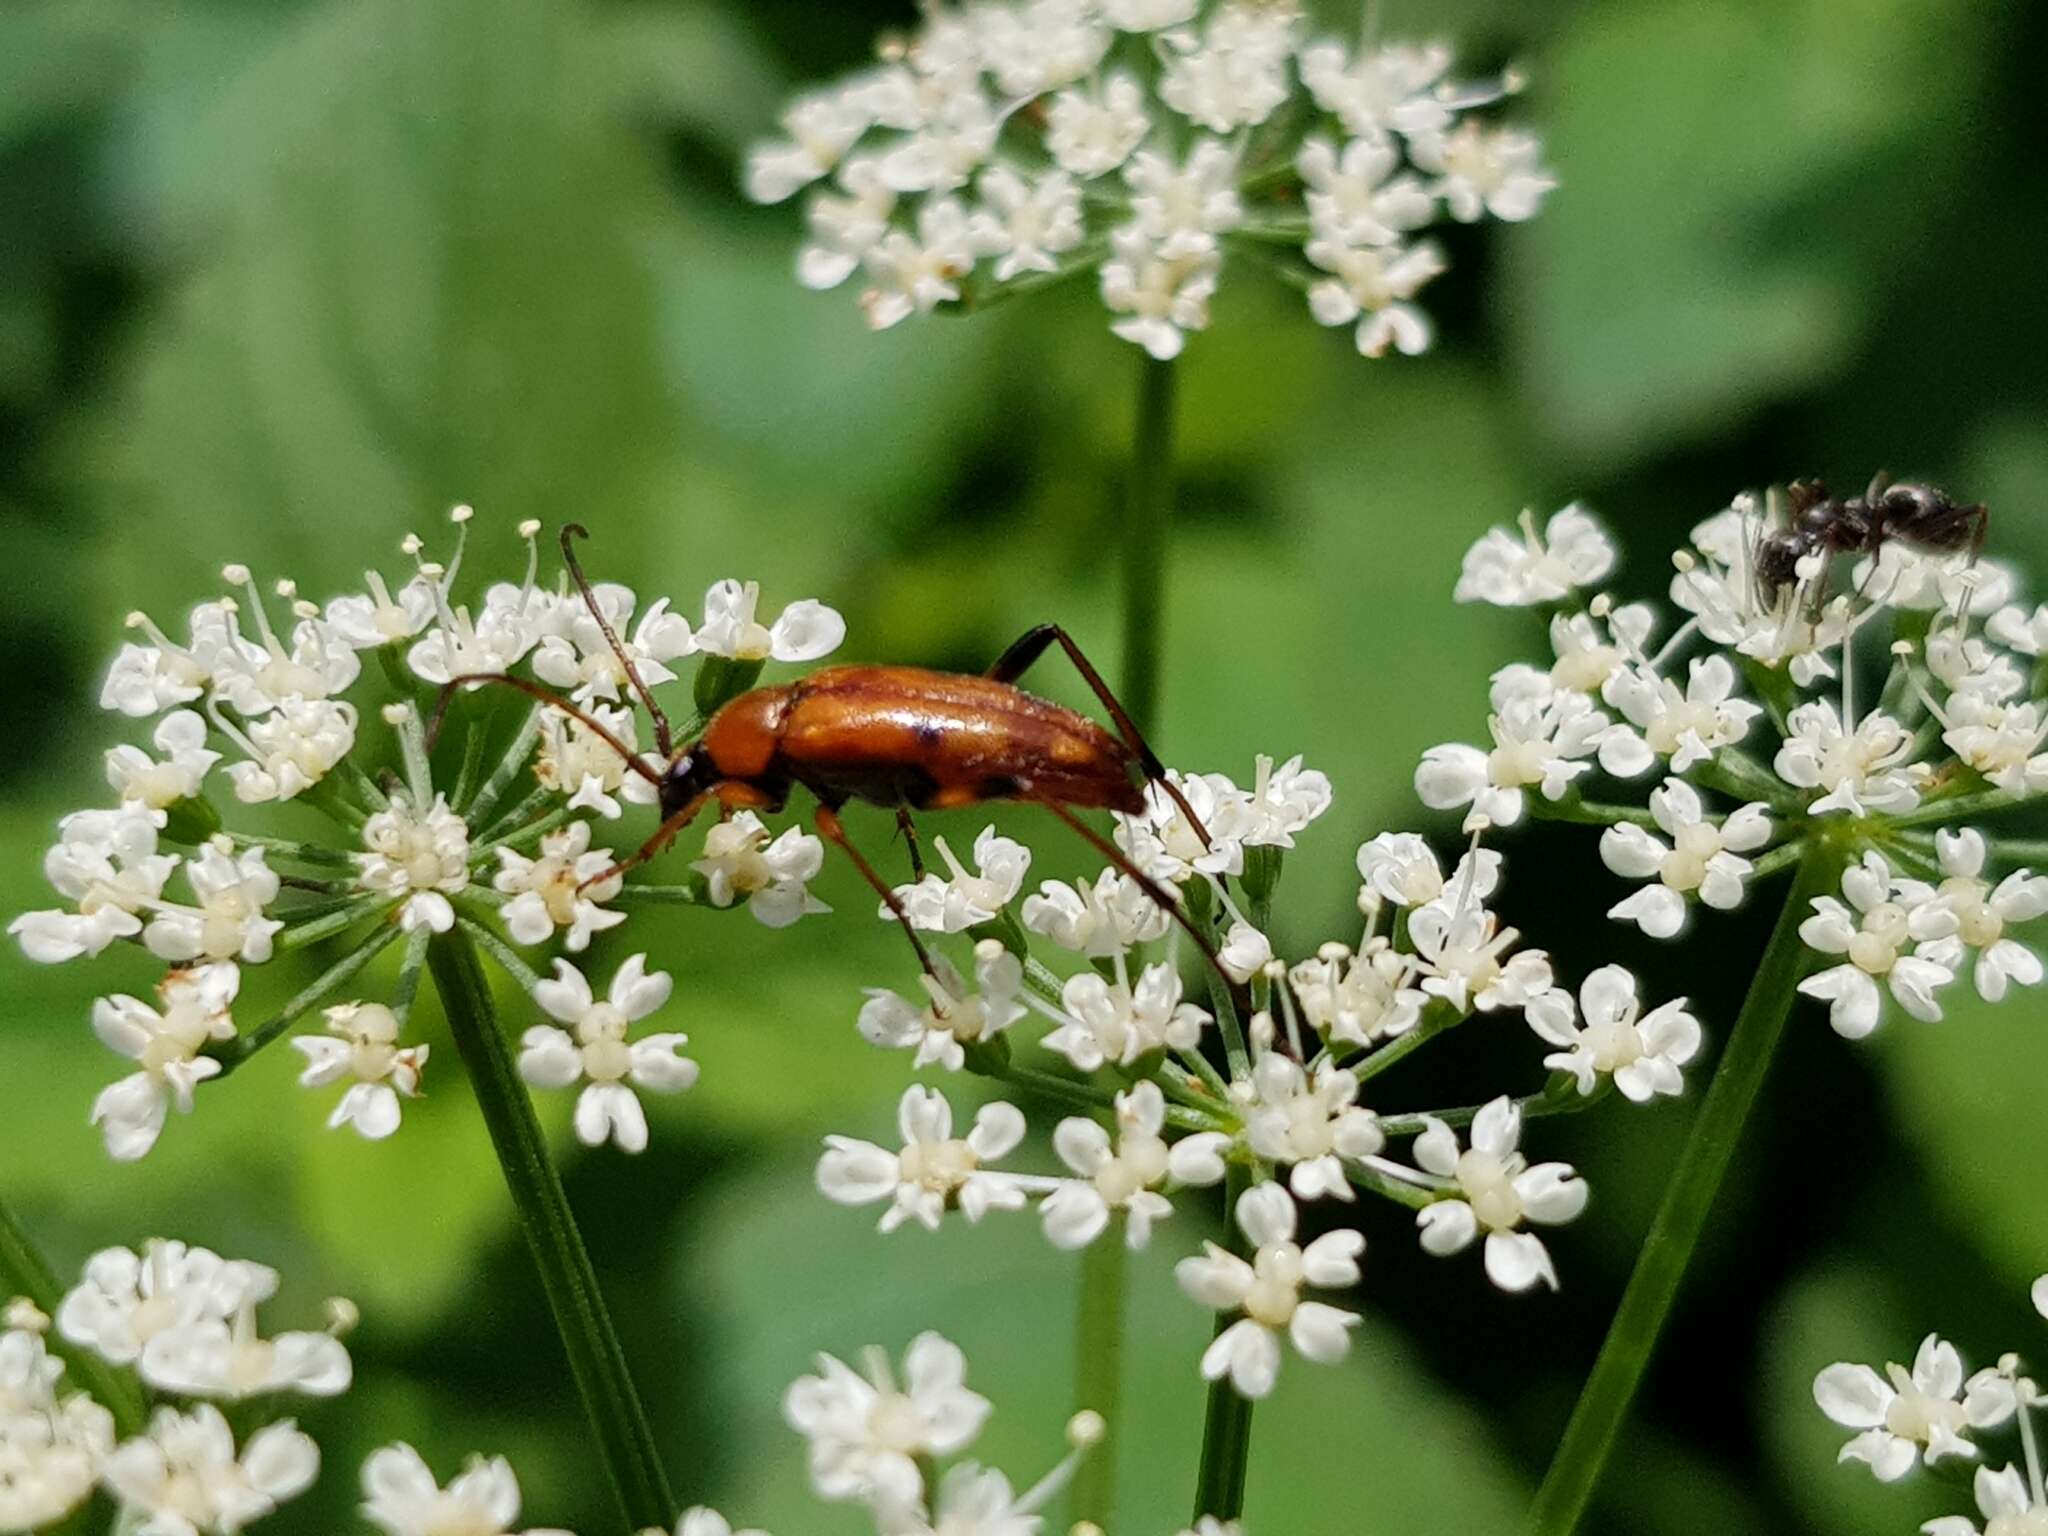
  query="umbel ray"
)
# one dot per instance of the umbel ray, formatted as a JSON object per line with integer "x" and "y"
{"x": 903, "y": 738}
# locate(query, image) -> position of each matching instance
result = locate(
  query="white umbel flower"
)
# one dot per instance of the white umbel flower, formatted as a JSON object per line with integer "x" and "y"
{"x": 1484, "y": 170}
{"x": 1401, "y": 867}
{"x": 1868, "y": 769}
{"x": 845, "y": 224}
{"x": 558, "y": 891}
{"x": 231, "y": 891}
{"x": 934, "y": 1170}
{"x": 1157, "y": 298}
{"x": 177, "y": 772}
{"x": 740, "y": 861}
{"x": 1967, "y": 912}
{"x": 417, "y": 858}
{"x": 867, "y": 1433}
{"x": 1358, "y": 999}
{"x": 375, "y": 617}
{"x": 106, "y": 865}
{"x": 1282, "y": 801}
{"x": 594, "y": 1050}
{"x": 292, "y": 748}
{"x": 1686, "y": 726}
{"x": 1267, "y": 1291}
{"x": 819, "y": 129}
{"x": 804, "y": 631}
{"x": 1309, "y": 1123}
{"x": 224, "y": 1357}
{"x": 166, "y": 1042}
{"x": 185, "y": 1477}
{"x": 580, "y": 658}
{"x": 1374, "y": 286}
{"x": 1462, "y": 955}
{"x": 1101, "y": 1021}
{"x": 51, "y": 1447}
{"x": 1497, "y": 1192}
{"x": 2000, "y": 740}
{"x": 703, "y": 1521}
{"x": 125, "y": 1299}
{"x": 1234, "y": 74}
{"x": 2006, "y": 1503}
{"x": 1124, "y": 1174}
{"x": 1383, "y": 90}
{"x": 950, "y": 904}
{"x": 402, "y": 1498}
{"x": 1695, "y": 857}
{"x": 588, "y": 769}
{"x": 1180, "y": 209}
{"x": 1904, "y": 1416}
{"x": 954, "y": 1015}
{"x": 912, "y": 274}
{"x": 1871, "y": 932}
{"x": 1607, "y": 1035}
{"x": 1571, "y": 552}
{"x": 1089, "y": 132}
{"x": 1028, "y": 224}
{"x": 362, "y": 1043}
{"x": 1353, "y": 196}
{"x": 1098, "y": 919}
{"x": 1541, "y": 742}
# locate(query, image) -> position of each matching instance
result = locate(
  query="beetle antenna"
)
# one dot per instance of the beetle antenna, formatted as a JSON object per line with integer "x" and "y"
{"x": 662, "y": 737}
{"x": 581, "y": 716}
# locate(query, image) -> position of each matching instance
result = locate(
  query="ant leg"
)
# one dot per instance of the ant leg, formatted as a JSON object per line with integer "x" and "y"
{"x": 1161, "y": 898}
{"x": 908, "y": 828}
{"x": 581, "y": 716}
{"x": 1032, "y": 644}
{"x": 833, "y": 831}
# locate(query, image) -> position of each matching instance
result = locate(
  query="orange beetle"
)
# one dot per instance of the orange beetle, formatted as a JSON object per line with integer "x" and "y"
{"x": 904, "y": 738}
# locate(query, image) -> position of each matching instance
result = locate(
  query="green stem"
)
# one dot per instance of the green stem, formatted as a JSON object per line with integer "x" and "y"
{"x": 1668, "y": 1248}
{"x": 1098, "y": 1368}
{"x": 1956, "y": 807}
{"x": 1436, "y": 1018}
{"x": 622, "y": 1437}
{"x": 232, "y": 1053}
{"x": 1227, "y": 1428}
{"x": 25, "y": 1272}
{"x": 1147, "y": 517}
{"x": 1588, "y": 812}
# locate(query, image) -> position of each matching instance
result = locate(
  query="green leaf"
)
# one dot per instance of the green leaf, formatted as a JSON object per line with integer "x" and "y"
{"x": 1968, "y": 1095}
{"x": 1697, "y": 261}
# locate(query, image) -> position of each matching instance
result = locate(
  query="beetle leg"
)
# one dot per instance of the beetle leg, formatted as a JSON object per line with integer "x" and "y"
{"x": 909, "y": 830}
{"x": 1161, "y": 897}
{"x": 1032, "y": 644}
{"x": 663, "y": 836}
{"x": 833, "y": 831}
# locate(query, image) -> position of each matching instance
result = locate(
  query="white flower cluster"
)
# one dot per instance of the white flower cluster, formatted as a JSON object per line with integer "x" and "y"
{"x": 269, "y": 704}
{"x": 1932, "y": 1413}
{"x": 1008, "y": 142}
{"x": 875, "y": 1437}
{"x": 184, "y": 1320}
{"x": 1890, "y": 791}
{"x": 1283, "y": 1116}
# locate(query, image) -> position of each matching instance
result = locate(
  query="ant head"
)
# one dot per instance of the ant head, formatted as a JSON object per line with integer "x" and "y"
{"x": 689, "y": 773}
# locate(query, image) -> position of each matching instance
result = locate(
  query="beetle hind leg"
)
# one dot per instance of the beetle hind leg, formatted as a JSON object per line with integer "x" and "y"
{"x": 1034, "y": 643}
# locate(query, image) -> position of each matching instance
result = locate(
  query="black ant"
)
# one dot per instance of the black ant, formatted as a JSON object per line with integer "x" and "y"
{"x": 1818, "y": 524}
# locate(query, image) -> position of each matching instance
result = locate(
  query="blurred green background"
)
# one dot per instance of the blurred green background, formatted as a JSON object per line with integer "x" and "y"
{"x": 279, "y": 281}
